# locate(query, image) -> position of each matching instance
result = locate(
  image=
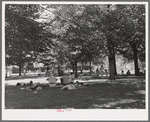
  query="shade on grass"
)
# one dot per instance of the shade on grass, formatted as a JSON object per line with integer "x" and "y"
{"x": 100, "y": 95}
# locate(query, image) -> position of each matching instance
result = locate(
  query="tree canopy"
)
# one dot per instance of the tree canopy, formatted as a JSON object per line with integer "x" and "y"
{"x": 76, "y": 33}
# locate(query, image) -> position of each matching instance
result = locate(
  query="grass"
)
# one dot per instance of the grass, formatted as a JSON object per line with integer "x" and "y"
{"x": 119, "y": 95}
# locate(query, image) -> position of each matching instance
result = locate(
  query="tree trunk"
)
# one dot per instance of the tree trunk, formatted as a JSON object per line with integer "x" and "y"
{"x": 111, "y": 68}
{"x": 76, "y": 70}
{"x": 20, "y": 68}
{"x": 135, "y": 59}
{"x": 115, "y": 69}
{"x": 110, "y": 45}
{"x": 20, "y": 63}
{"x": 81, "y": 69}
{"x": 6, "y": 70}
{"x": 90, "y": 68}
{"x": 73, "y": 67}
{"x": 24, "y": 71}
{"x": 58, "y": 70}
{"x": 111, "y": 62}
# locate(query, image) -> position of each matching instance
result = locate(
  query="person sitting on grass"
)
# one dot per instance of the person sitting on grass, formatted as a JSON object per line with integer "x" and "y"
{"x": 65, "y": 79}
{"x": 71, "y": 77}
{"x": 128, "y": 73}
{"x": 52, "y": 80}
{"x": 31, "y": 83}
{"x": 122, "y": 72}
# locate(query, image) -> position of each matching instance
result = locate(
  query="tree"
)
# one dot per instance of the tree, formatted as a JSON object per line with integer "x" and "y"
{"x": 104, "y": 19}
{"x": 133, "y": 31}
{"x": 129, "y": 20}
{"x": 112, "y": 21}
{"x": 24, "y": 37}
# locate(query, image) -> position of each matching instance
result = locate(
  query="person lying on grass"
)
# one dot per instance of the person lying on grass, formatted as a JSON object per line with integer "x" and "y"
{"x": 32, "y": 87}
{"x": 37, "y": 86}
{"x": 25, "y": 84}
{"x": 72, "y": 86}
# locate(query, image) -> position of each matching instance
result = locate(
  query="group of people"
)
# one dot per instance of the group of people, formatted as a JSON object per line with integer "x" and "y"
{"x": 67, "y": 81}
{"x": 102, "y": 71}
{"x": 128, "y": 73}
{"x": 33, "y": 86}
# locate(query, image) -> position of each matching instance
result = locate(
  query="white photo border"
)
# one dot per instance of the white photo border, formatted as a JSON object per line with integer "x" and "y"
{"x": 75, "y": 114}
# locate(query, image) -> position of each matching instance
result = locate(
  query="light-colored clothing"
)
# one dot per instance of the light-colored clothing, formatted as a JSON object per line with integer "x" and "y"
{"x": 52, "y": 85}
{"x": 102, "y": 71}
{"x": 69, "y": 87}
{"x": 71, "y": 78}
{"x": 52, "y": 81}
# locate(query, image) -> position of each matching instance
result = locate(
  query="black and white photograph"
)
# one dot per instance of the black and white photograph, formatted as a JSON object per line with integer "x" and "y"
{"x": 74, "y": 60}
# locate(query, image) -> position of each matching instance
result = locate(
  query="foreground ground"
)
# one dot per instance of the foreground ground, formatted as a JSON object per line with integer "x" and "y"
{"x": 127, "y": 94}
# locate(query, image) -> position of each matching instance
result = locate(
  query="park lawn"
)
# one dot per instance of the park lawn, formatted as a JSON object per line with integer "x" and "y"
{"x": 117, "y": 95}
